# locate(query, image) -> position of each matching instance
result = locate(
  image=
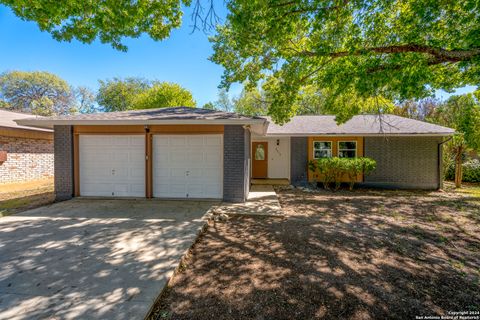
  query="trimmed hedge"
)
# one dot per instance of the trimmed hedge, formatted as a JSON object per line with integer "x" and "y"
{"x": 335, "y": 169}
{"x": 471, "y": 171}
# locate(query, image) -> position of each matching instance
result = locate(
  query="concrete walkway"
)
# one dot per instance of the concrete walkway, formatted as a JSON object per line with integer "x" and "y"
{"x": 262, "y": 201}
{"x": 93, "y": 259}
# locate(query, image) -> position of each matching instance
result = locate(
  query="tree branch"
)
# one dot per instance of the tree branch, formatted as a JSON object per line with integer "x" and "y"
{"x": 441, "y": 55}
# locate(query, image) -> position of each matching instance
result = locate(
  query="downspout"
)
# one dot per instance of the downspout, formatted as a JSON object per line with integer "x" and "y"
{"x": 439, "y": 162}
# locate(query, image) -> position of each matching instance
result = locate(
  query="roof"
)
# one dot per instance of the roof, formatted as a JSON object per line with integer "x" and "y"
{"x": 358, "y": 125}
{"x": 7, "y": 120}
{"x": 176, "y": 115}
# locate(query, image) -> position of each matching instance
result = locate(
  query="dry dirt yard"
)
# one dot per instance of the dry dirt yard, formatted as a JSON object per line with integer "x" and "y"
{"x": 17, "y": 197}
{"x": 346, "y": 255}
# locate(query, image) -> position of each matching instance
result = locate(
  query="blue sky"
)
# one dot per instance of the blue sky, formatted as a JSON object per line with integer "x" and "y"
{"x": 182, "y": 58}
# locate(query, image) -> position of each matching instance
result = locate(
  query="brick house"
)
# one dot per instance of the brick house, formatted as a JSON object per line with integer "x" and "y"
{"x": 197, "y": 153}
{"x": 26, "y": 153}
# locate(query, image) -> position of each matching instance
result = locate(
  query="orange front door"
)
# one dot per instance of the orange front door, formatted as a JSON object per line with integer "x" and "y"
{"x": 259, "y": 160}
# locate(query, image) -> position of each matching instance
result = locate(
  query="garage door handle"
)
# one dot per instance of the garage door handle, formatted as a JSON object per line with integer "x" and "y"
{"x": 187, "y": 173}
{"x": 113, "y": 171}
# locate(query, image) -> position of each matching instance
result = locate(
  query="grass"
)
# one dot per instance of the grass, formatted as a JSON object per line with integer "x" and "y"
{"x": 17, "y": 197}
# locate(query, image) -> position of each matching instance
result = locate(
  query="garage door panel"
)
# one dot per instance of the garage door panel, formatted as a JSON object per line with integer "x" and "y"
{"x": 188, "y": 166}
{"x": 112, "y": 165}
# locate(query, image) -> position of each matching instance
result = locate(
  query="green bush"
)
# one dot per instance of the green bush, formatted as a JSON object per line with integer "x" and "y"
{"x": 336, "y": 169}
{"x": 471, "y": 171}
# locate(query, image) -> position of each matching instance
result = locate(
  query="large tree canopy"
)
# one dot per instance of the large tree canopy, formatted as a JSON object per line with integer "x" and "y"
{"x": 118, "y": 94}
{"x": 362, "y": 49}
{"x": 40, "y": 93}
{"x": 137, "y": 93}
{"x": 109, "y": 21}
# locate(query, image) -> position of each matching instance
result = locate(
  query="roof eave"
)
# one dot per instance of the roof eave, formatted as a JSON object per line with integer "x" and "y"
{"x": 438, "y": 134}
{"x": 50, "y": 123}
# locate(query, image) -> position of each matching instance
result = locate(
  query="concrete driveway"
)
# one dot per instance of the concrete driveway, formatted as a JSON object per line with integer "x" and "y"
{"x": 86, "y": 259}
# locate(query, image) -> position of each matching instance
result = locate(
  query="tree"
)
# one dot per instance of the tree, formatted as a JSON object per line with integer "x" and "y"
{"x": 209, "y": 106}
{"x": 108, "y": 21}
{"x": 39, "y": 93}
{"x": 463, "y": 114}
{"x": 422, "y": 110}
{"x": 395, "y": 50}
{"x": 223, "y": 102}
{"x": 118, "y": 94}
{"x": 251, "y": 102}
{"x": 86, "y": 100}
{"x": 162, "y": 95}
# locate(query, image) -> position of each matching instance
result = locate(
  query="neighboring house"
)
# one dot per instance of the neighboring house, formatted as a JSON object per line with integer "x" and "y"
{"x": 26, "y": 153}
{"x": 197, "y": 153}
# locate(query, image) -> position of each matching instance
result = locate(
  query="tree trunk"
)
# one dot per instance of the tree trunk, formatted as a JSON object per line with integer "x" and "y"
{"x": 458, "y": 167}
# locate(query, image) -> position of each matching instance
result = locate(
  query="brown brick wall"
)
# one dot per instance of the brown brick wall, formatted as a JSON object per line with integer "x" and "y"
{"x": 27, "y": 159}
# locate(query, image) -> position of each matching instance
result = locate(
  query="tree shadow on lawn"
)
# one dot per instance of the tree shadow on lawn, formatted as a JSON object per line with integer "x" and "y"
{"x": 368, "y": 257}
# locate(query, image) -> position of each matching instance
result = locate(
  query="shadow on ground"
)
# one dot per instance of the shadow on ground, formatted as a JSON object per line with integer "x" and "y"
{"x": 345, "y": 255}
{"x": 92, "y": 259}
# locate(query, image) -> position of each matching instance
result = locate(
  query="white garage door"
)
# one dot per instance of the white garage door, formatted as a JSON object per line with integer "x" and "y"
{"x": 112, "y": 165}
{"x": 188, "y": 166}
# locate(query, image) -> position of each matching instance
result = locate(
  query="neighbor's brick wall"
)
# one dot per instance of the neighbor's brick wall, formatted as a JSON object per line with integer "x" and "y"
{"x": 298, "y": 160}
{"x": 404, "y": 162}
{"x": 234, "y": 164}
{"x": 27, "y": 159}
{"x": 63, "y": 139}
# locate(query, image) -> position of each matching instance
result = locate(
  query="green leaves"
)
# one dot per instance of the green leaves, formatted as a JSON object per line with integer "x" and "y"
{"x": 39, "y": 93}
{"x": 335, "y": 170}
{"x": 137, "y": 93}
{"x": 118, "y": 94}
{"x": 109, "y": 21}
{"x": 164, "y": 94}
{"x": 362, "y": 52}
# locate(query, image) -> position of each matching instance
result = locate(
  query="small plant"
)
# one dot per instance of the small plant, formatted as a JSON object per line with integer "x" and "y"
{"x": 335, "y": 170}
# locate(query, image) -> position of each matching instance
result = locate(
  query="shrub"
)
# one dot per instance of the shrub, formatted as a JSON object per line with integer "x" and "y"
{"x": 471, "y": 171}
{"x": 335, "y": 169}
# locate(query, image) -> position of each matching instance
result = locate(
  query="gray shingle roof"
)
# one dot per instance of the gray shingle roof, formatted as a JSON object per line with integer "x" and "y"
{"x": 7, "y": 120}
{"x": 358, "y": 125}
{"x": 177, "y": 115}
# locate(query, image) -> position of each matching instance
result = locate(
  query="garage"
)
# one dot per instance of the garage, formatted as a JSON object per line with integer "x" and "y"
{"x": 188, "y": 166}
{"x": 112, "y": 165}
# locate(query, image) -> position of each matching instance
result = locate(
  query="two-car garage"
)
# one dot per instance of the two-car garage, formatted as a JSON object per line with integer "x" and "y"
{"x": 182, "y": 165}
{"x": 168, "y": 153}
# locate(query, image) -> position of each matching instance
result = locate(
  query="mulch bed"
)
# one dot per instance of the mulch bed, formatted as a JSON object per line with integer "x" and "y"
{"x": 345, "y": 255}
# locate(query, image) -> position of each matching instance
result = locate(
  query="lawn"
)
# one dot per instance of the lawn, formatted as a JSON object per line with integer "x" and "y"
{"x": 351, "y": 255}
{"x": 16, "y": 197}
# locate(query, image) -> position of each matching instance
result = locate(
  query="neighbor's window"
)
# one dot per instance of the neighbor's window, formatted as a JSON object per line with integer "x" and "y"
{"x": 347, "y": 149}
{"x": 322, "y": 149}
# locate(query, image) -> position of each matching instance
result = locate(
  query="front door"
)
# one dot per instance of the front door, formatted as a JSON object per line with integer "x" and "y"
{"x": 260, "y": 160}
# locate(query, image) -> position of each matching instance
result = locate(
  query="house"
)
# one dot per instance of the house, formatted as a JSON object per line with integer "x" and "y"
{"x": 197, "y": 153}
{"x": 26, "y": 153}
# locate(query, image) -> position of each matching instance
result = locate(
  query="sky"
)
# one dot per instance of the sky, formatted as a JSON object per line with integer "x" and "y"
{"x": 182, "y": 58}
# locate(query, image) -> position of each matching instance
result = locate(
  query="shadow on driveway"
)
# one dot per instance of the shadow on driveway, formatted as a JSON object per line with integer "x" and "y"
{"x": 84, "y": 259}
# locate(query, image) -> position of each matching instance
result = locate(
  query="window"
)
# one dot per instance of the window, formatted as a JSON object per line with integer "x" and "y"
{"x": 260, "y": 152}
{"x": 322, "y": 149}
{"x": 347, "y": 149}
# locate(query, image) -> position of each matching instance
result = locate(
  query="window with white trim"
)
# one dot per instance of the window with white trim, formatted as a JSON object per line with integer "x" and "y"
{"x": 347, "y": 149}
{"x": 322, "y": 149}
